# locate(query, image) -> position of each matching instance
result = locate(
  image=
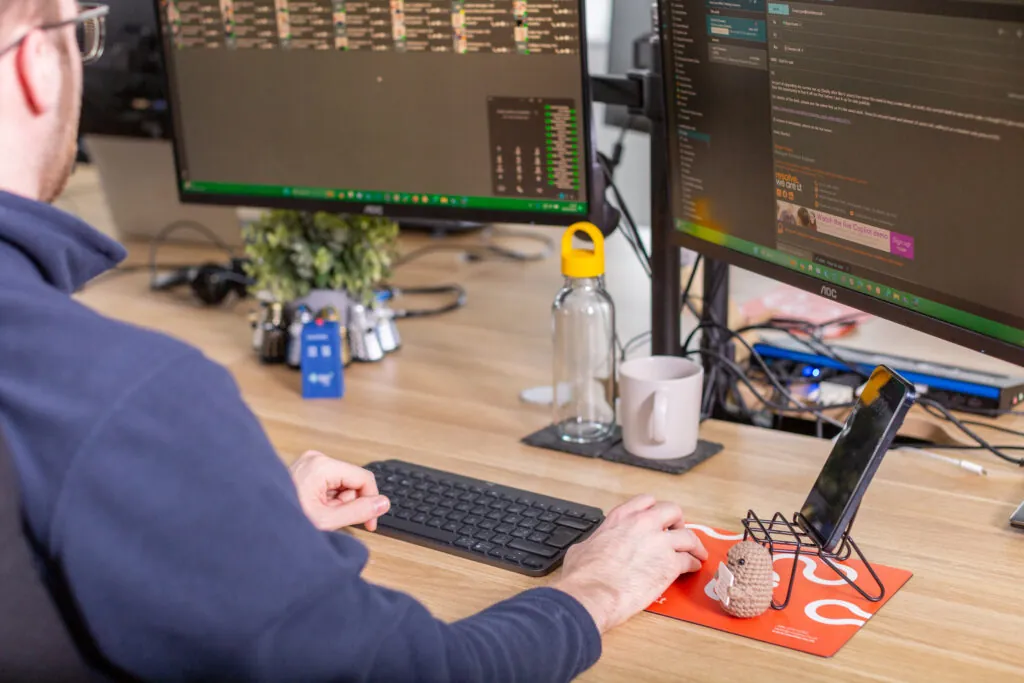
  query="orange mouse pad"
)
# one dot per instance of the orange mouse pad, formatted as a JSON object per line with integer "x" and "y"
{"x": 822, "y": 616}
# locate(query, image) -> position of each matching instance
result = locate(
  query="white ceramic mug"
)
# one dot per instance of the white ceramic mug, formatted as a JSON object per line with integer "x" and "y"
{"x": 659, "y": 406}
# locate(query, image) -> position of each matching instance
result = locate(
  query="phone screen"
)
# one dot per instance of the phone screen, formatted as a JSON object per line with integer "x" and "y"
{"x": 857, "y": 452}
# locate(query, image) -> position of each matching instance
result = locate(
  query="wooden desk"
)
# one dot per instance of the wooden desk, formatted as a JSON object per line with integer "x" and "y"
{"x": 449, "y": 400}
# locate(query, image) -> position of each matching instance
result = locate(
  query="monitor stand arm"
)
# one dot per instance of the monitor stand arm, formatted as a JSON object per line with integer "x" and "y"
{"x": 642, "y": 93}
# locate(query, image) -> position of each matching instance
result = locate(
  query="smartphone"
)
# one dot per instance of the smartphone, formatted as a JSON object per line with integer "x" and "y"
{"x": 1018, "y": 517}
{"x": 858, "y": 451}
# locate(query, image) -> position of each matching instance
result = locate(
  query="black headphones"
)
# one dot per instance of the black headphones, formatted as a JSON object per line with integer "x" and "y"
{"x": 211, "y": 283}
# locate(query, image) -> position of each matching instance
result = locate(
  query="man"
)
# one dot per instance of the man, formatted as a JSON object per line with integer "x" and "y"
{"x": 157, "y": 506}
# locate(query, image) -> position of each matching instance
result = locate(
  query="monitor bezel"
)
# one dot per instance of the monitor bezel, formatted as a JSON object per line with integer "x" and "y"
{"x": 961, "y": 336}
{"x": 399, "y": 211}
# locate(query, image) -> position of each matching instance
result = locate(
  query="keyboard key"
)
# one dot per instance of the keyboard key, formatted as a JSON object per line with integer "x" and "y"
{"x": 463, "y": 507}
{"x": 501, "y": 539}
{"x": 537, "y": 537}
{"x": 545, "y": 527}
{"x": 447, "y": 503}
{"x": 524, "y": 501}
{"x": 451, "y": 526}
{"x": 487, "y": 524}
{"x": 422, "y": 486}
{"x": 484, "y": 535}
{"x": 456, "y": 516}
{"x": 433, "y": 499}
{"x": 539, "y": 505}
{"x": 448, "y": 483}
{"x": 420, "y": 518}
{"x": 507, "y": 497}
{"x": 471, "y": 520}
{"x": 520, "y": 533}
{"x": 439, "y": 535}
{"x": 578, "y": 524}
{"x": 482, "y": 547}
{"x": 531, "y": 512}
{"x": 515, "y": 556}
{"x": 498, "y": 552}
{"x": 462, "y": 486}
{"x": 515, "y": 509}
{"x": 405, "y": 482}
{"x": 469, "y": 496}
{"x": 512, "y": 519}
{"x": 499, "y": 504}
{"x": 480, "y": 511}
{"x": 592, "y": 518}
{"x": 557, "y": 509}
{"x": 425, "y": 509}
{"x": 437, "y": 490}
{"x": 494, "y": 493}
{"x": 477, "y": 490}
{"x": 533, "y": 563}
{"x": 403, "y": 514}
{"x": 534, "y": 548}
{"x": 574, "y": 513}
{"x": 393, "y": 479}
{"x": 563, "y": 538}
{"x": 467, "y": 530}
{"x": 416, "y": 495}
{"x": 528, "y": 523}
{"x": 437, "y": 522}
{"x": 440, "y": 512}
{"x": 496, "y": 515}
{"x": 548, "y": 517}
{"x": 402, "y": 493}
{"x": 504, "y": 528}
{"x": 465, "y": 542}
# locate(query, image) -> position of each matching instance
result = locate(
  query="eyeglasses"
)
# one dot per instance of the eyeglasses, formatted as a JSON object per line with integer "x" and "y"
{"x": 90, "y": 31}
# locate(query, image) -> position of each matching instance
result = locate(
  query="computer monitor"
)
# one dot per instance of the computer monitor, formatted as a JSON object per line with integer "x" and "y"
{"x": 447, "y": 109}
{"x": 629, "y": 48}
{"x": 872, "y": 152}
{"x": 123, "y": 93}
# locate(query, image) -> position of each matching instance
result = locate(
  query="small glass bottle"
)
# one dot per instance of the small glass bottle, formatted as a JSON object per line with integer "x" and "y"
{"x": 584, "y": 335}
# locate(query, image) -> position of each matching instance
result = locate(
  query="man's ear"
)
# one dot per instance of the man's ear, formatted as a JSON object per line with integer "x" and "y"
{"x": 39, "y": 72}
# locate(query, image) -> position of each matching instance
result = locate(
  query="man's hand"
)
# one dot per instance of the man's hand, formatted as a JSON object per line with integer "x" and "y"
{"x": 637, "y": 553}
{"x": 335, "y": 494}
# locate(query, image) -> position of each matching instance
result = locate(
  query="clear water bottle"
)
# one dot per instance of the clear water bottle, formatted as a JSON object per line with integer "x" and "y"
{"x": 584, "y": 331}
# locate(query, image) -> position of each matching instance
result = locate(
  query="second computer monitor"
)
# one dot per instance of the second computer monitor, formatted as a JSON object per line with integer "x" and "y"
{"x": 872, "y": 152}
{"x": 458, "y": 109}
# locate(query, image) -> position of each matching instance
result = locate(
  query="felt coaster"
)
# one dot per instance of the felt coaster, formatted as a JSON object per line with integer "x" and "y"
{"x": 613, "y": 450}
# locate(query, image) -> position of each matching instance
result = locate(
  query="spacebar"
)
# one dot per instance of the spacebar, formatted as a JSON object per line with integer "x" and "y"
{"x": 417, "y": 529}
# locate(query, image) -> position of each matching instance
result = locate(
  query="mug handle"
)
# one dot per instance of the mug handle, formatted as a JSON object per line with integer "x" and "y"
{"x": 659, "y": 417}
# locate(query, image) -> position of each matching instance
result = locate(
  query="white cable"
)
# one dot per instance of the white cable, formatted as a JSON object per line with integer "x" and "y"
{"x": 962, "y": 464}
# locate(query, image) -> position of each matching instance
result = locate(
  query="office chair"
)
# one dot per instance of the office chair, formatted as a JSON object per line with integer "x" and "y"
{"x": 35, "y": 642}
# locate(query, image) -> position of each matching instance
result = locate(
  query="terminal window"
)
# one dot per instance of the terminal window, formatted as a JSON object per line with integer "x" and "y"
{"x": 879, "y": 142}
{"x": 466, "y": 103}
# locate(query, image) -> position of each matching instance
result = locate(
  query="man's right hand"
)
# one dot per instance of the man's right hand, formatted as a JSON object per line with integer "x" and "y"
{"x": 637, "y": 553}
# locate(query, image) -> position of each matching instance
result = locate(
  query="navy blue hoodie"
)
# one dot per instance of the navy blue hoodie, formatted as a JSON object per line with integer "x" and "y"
{"x": 158, "y": 504}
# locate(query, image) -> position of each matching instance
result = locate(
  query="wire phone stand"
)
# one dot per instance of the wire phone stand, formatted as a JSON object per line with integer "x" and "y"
{"x": 784, "y": 537}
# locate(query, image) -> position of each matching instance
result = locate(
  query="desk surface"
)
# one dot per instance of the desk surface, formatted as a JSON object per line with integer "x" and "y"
{"x": 449, "y": 400}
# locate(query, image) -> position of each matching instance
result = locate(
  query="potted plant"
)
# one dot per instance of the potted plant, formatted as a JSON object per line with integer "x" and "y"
{"x": 320, "y": 259}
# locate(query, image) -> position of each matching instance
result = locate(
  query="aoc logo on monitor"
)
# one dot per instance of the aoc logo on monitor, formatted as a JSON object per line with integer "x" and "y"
{"x": 830, "y": 292}
{"x": 374, "y": 210}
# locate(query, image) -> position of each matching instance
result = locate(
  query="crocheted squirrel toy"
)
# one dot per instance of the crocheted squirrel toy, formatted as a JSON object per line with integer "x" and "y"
{"x": 745, "y": 581}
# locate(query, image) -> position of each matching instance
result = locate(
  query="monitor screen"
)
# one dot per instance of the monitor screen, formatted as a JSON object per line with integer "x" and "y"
{"x": 123, "y": 94}
{"x": 868, "y": 150}
{"x": 461, "y": 109}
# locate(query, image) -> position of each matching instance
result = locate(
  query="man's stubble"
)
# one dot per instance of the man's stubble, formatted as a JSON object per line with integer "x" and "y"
{"x": 62, "y": 149}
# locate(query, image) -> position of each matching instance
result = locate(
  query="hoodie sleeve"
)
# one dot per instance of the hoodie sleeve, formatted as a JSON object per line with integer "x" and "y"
{"x": 181, "y": 538}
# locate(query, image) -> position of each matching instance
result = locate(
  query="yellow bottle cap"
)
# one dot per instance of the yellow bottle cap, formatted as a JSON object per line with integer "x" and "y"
{"x": 583, "y": 263}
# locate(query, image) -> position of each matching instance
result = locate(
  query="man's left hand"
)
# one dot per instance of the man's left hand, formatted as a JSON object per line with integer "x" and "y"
{"x": 335, "y": 494}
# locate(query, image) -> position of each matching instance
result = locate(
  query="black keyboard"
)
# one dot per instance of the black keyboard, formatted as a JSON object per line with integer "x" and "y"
{"x": 517, "y": 530}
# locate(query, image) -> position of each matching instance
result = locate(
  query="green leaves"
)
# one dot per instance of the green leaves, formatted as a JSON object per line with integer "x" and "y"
{"x": 292, "y": 253}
